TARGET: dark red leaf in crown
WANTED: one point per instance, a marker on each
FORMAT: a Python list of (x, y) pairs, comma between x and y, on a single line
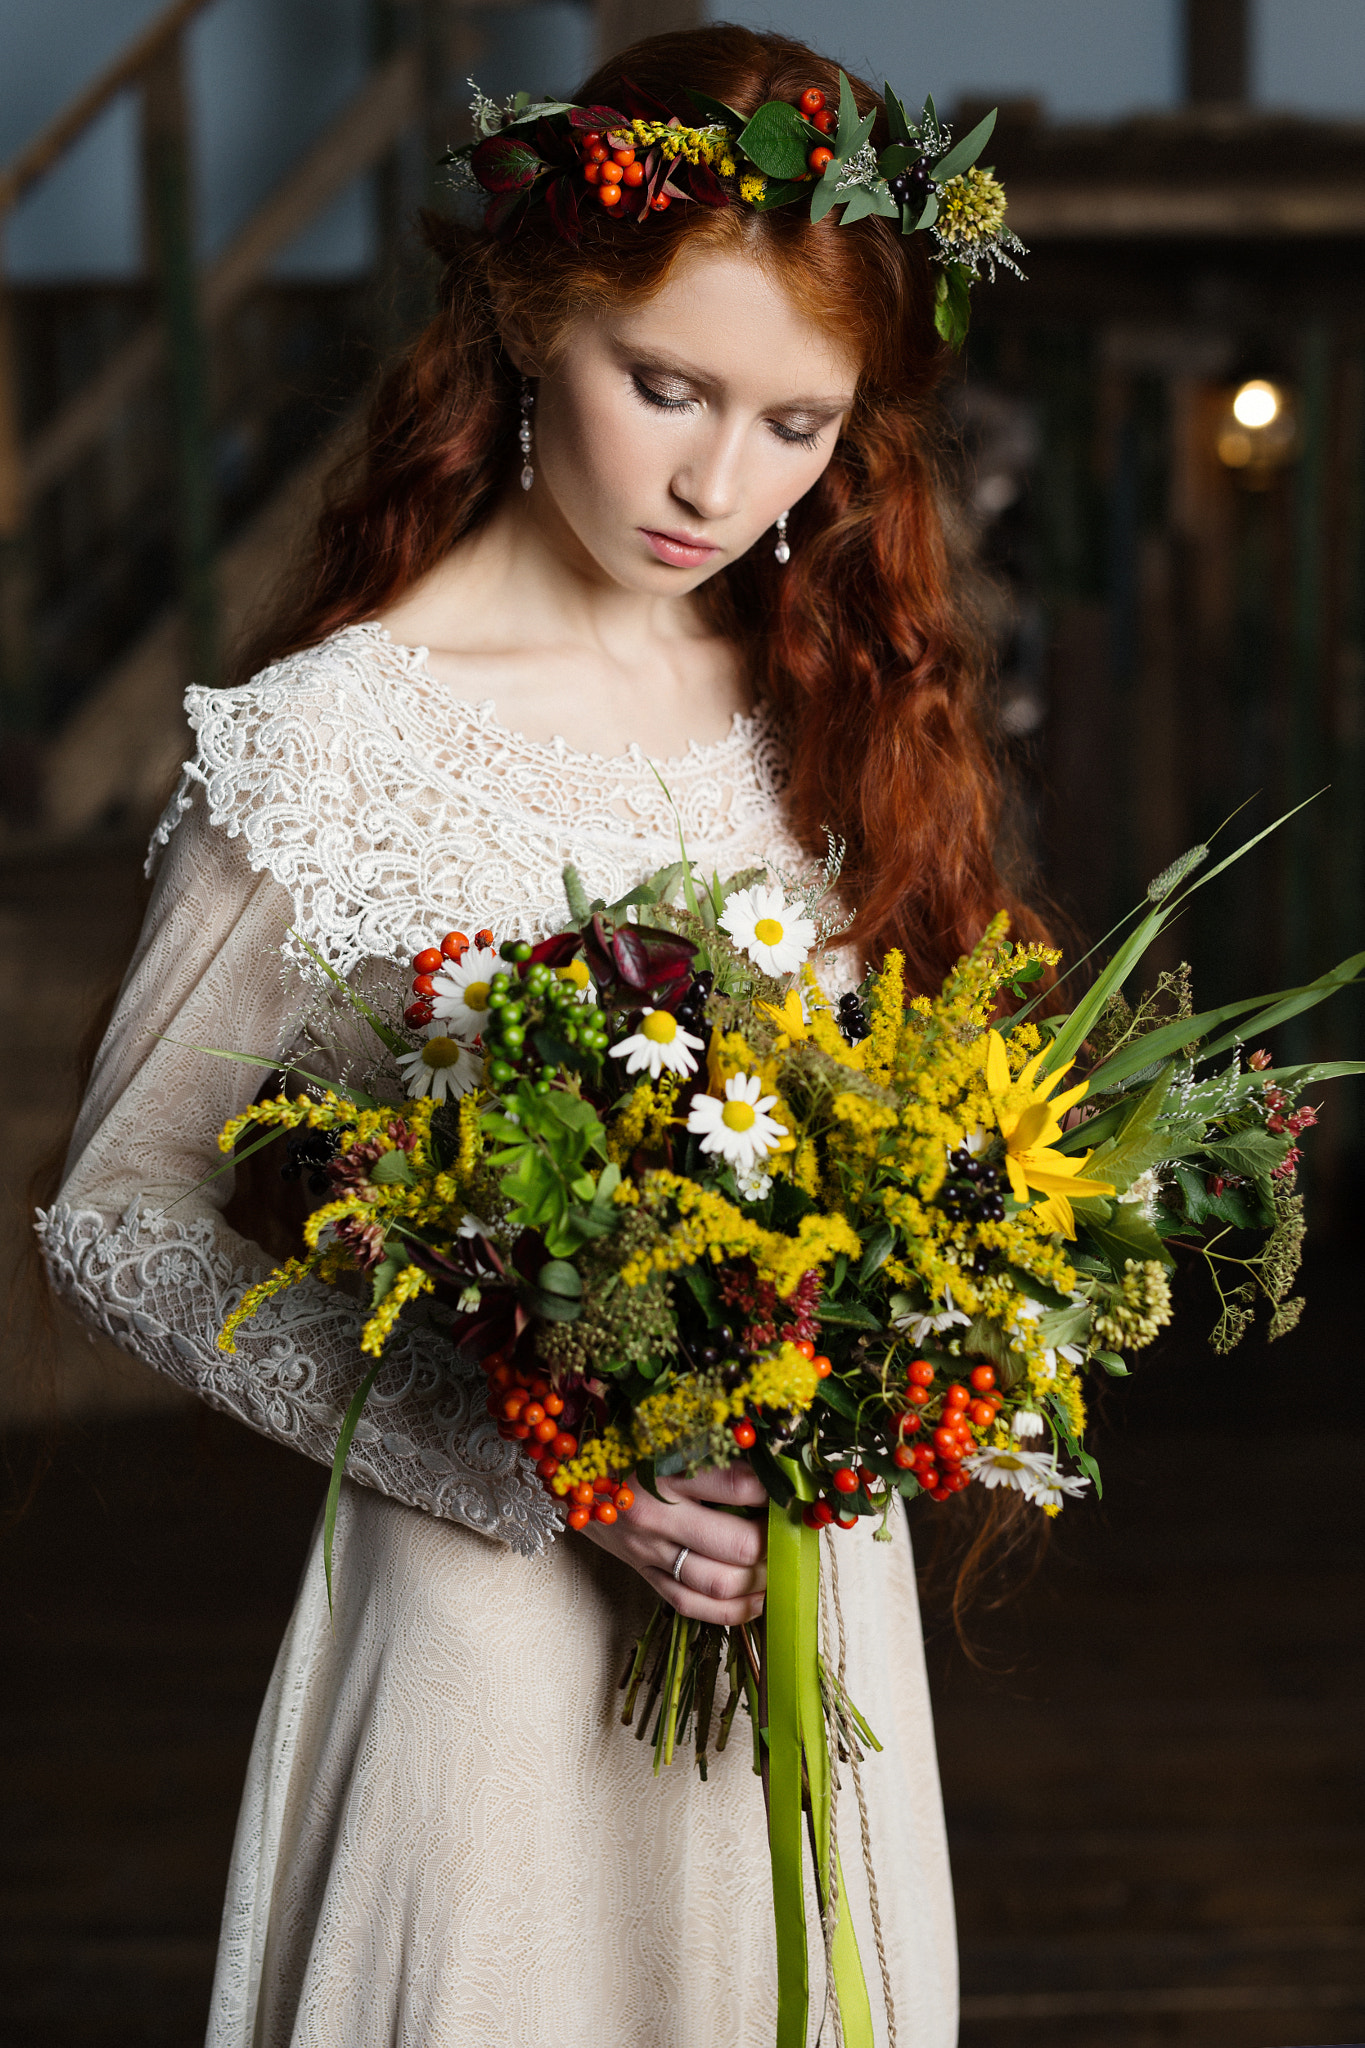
[(506, 212), (642, 106), (594, 120), (505, 163), (702, 183), (562, 201)]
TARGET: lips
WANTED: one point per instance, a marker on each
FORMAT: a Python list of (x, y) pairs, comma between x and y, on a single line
[(680, 550)]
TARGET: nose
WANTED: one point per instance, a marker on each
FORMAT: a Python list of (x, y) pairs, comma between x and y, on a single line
[(707, 482)]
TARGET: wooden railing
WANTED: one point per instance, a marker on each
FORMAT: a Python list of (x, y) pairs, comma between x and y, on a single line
[(190, 304)]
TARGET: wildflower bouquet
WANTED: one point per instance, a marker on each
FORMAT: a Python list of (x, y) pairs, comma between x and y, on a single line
[(683, 1207)]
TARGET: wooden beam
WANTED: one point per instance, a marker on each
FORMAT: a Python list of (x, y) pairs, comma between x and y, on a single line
[(30, 164), (356, 139), (1217, 52), (1242, 211)]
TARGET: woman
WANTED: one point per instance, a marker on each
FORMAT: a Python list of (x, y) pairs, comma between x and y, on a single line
[(562, 565)]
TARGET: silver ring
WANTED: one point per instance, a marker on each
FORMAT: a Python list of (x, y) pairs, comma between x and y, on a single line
[(679, 1562)]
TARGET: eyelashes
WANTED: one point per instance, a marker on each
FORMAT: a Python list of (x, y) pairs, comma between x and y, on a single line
[(792, 438), (662, 403)]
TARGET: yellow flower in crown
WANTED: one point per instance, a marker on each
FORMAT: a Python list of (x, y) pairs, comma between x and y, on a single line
[(1029, 1117)]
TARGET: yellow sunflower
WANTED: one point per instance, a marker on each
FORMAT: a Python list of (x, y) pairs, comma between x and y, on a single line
[(1029, 1117)]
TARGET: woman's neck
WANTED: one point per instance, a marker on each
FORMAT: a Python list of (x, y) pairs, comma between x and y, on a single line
[(521, 614)]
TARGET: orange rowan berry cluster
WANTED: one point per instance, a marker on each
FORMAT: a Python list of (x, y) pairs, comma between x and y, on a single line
[(427, 964), (529, 1411), (601, 1501), (964, 1409), (611, 164)]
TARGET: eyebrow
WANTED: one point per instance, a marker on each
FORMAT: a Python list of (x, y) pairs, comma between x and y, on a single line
[(674, 366)]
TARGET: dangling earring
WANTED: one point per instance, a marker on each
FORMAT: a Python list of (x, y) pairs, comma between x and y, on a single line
[(528, 399), (782, 551)]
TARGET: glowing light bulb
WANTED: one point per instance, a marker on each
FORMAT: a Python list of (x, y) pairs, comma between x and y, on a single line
[(1256, 404)]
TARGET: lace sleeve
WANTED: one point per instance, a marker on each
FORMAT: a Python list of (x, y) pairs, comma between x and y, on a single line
[(157, 1268)]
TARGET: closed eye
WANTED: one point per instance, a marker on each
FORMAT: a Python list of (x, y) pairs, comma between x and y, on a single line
[(792, 437), (660, 399)]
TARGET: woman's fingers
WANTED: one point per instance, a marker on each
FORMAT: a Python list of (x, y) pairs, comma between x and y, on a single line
[(673, 1526), (697, 1607), (736, 1485)]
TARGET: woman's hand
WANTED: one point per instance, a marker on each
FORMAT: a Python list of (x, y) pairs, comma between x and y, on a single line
[(725, 1572)]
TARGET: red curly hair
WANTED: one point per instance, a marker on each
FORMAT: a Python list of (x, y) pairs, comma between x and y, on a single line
[(866, 643)]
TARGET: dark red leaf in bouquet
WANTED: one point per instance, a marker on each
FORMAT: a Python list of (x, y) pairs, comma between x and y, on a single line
[(597, 952), (632, 960), (555, 952), (505, 163)]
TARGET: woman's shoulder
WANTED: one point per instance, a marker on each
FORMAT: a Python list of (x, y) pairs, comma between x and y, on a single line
[(305, 700)]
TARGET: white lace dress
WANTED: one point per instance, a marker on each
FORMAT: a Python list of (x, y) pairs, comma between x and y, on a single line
[(446, 1838)]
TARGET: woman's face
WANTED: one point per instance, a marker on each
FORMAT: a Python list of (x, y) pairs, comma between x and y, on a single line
[(669, 436)]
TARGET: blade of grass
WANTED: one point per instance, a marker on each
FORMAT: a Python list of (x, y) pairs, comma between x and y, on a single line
[(348, 1430), (382, 1031)]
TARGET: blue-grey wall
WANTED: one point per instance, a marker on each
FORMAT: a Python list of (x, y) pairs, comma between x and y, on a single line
[(268, 74)]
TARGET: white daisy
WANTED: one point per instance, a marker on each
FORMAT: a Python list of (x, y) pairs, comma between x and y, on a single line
[(739, 1127), (773, 932), (1027, 1422), (1020, 1469), (440, 1067), (754, 1186), (461, 988), (659, 1043), (917, 1326), (1050, 1488)]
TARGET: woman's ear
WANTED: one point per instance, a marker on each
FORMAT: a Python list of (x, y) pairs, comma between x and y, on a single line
[(519, 351)]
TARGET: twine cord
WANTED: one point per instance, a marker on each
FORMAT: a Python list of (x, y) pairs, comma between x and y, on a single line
[(873, 1901)]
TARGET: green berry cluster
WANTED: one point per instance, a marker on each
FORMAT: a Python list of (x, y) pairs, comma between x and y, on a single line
[(528, 1004)]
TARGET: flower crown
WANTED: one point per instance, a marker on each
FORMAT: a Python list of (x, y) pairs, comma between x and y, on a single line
[(639, 159)]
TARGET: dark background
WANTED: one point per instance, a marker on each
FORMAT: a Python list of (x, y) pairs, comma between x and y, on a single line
[(1151, 1752)]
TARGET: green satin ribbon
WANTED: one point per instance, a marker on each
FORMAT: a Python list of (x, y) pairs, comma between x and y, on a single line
[(796, 1730)]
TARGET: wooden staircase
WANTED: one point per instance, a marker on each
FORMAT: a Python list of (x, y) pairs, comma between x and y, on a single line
[(97, 747)]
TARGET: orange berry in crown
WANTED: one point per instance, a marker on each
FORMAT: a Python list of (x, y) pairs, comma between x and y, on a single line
[(484, 937), (812, 101), (610, 195), (455, 945)]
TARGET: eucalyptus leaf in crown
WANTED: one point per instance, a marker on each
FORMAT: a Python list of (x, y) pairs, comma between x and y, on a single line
[(639, 159)]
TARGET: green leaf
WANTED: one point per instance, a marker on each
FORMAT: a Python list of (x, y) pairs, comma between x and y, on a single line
[(775, 139), (1239, 1207), (835, 1395), (826, 193), (877, 1249), (781, 192), (850, 134), (849, 1315), (580, 910), (952, 305), (776, 1481), (392, 1169), (644, 1472), (255, 1059), (1067, 1325), (1073, 1033), (384, 1275), (348, 1430), (1111, 1362), (557, 1276), (1248, 1153), (862, 202), (964, 154), (1123, 1233), (702, 1286), (1091, 1471), (716, 111), (897, 120)]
